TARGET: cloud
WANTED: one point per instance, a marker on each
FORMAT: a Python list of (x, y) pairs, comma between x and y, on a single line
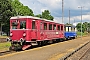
[(52, 4), (42, 10), (58, 20), (55, 7), (85, 18)]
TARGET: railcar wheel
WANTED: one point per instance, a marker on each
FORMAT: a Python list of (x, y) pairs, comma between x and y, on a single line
[(74, 37), (40, 43), (10, 48), (65, 38), (45, 42), (15, 48)]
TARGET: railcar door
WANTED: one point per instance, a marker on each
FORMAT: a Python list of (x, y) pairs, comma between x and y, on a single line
[(41, 31), (34, 29)]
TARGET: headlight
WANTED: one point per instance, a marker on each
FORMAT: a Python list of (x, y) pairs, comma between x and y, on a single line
[(11, 34), (24, 34), (8, 39)]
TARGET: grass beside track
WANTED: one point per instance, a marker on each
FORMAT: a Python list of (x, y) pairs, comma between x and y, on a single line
[(4, 46), (83, 34), (3, 36)]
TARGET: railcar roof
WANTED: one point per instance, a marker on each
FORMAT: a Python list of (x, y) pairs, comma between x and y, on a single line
[(17, 17), (70, 26)]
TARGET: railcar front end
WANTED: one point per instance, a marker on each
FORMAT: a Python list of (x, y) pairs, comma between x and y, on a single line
[(19, 37)]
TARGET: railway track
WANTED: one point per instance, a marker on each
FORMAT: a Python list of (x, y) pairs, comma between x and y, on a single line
[(6, 52), (81, 54), (2, 40), (85, 53)]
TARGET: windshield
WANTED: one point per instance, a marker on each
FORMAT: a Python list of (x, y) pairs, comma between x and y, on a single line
[(14, 25), (22, 24)]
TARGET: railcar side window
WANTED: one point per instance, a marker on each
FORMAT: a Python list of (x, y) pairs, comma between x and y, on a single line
[(41, 27), (50, 26), (66, 29), (73, 29), (61, 28), (45, 26), (22, 24), (70, 29), (14, 27), (58, 27), (54, 27), (33, 24)]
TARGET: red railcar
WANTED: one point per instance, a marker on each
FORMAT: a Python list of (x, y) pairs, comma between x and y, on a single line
[(26, 31)]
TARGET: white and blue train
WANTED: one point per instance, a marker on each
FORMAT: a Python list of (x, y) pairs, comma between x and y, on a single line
[(70, 32)]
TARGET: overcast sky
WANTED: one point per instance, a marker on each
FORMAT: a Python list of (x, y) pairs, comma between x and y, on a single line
[(55, 7)]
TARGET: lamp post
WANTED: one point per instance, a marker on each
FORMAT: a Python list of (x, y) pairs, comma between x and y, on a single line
[(81, 19), (74, 20), (69, 16), (62, 12)]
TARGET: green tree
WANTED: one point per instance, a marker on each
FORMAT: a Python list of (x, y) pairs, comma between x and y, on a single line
[(89, 25), (79, 27), (9, 8), (46, 15), (6, 11), (21, 9), (68, 24), (39, 15), (86, 25)]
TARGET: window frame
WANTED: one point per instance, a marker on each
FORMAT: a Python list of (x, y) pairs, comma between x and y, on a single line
[(45, 26), (33, 24), (50, 26), (58, 27), (54, 27), (62, 28), (20, 24), (14, 26)]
